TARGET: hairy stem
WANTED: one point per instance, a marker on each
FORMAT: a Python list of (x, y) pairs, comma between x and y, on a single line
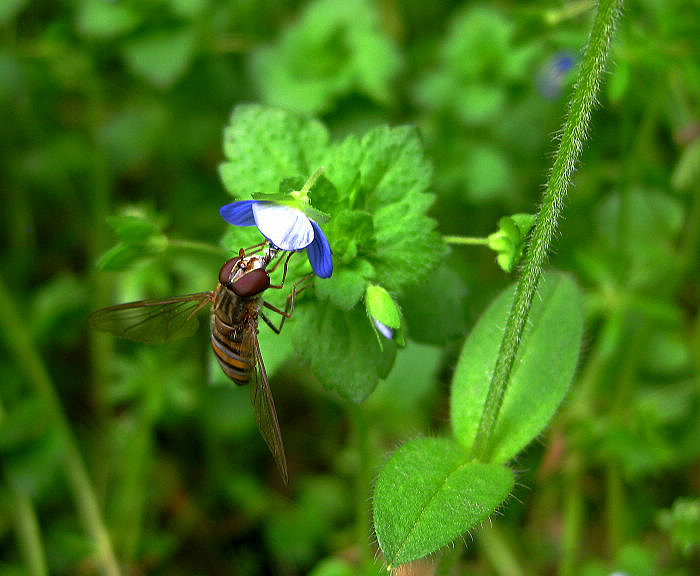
[(24, 351), (570, 147)]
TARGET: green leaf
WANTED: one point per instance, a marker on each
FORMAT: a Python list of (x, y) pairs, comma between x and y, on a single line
[(161, 57), (334, 49), (105, 20), (478, 44), (392, 165), (640, 229), (394, 178), (10, 8), (264, 146), (408, 247), (542, 371), (133, 227), (480, 103), (347, 285), (682, 522), (430, 493), (341, 348), (474, 68), (140, 238)]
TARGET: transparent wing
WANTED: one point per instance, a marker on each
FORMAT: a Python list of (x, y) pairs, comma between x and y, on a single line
[(264, 405), (153, 321)]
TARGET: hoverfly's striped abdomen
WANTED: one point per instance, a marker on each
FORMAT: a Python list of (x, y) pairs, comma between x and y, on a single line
[(232, 318)]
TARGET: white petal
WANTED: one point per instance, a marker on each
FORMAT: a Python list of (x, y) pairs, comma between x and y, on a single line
[(287, 228), (383, 329)]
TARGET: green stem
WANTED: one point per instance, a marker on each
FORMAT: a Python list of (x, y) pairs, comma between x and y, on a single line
[(494, 545), (27, 526), (24, 351), (614, 509), (312, 180), (28, 532), (556, 16), (363, 479), (99, 185), (573, 523), (195, 246), (570, 147), (466, 240)]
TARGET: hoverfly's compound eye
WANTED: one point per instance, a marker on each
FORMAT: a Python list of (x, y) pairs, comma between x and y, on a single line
[(227, 269), (252, 283)]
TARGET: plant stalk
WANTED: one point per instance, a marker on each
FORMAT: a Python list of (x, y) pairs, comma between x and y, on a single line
[(26, 525), (568, 153), (466, 240)]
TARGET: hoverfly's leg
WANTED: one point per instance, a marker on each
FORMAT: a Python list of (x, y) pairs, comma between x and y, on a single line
[(284, 273), (276, 265), (275, 329), (289, 305)]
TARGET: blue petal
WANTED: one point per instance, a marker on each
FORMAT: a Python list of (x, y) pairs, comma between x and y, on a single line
[(239, 213), (319, 253), (286, 227)]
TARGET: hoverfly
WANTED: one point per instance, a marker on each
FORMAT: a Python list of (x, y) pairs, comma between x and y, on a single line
[(236, 305)]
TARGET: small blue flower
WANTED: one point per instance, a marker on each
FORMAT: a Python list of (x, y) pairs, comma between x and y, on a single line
[(286, 228), (552, 74)]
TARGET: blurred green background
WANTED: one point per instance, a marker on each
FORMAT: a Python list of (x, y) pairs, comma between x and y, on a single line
[(113, 107)]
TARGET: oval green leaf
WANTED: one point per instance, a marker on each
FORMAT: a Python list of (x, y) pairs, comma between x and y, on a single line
[(541, 374), (430, 493)]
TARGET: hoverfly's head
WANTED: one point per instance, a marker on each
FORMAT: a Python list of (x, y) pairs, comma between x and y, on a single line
[(245, 276)]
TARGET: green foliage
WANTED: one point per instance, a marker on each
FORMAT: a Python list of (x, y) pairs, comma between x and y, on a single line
[(376, 189), (429, 493), (543, 370), (139, 238), (432, 491), (683, 522), (160, 57), (336, 48), (431, 119)]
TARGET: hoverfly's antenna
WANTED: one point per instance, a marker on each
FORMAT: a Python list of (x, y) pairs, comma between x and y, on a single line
[(251, 249)]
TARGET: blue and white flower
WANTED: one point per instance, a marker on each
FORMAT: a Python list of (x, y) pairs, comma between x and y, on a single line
[(285, 227)]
